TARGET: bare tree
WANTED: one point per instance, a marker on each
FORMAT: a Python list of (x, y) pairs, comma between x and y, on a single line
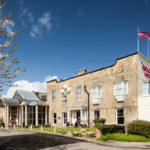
[(7, 60)]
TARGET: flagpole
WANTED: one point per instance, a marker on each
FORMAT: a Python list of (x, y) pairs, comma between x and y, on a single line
[(148, 48), (138, 40)]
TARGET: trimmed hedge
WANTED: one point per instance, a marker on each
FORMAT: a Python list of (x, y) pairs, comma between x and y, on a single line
[(108, 129), (139, 127)]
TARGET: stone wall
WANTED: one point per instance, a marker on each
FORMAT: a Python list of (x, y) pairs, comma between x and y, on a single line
[(124, 69)]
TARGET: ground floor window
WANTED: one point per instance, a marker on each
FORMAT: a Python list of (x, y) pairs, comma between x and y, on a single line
[(31, 115), (41, 115), (65, 118), (120, 116), (54, 118), (96, 114)]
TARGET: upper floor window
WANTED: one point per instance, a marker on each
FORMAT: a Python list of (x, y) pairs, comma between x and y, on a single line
[(54, 95), (121, 88), (96, 94), (43, 98), (146, 88), (78, 93)]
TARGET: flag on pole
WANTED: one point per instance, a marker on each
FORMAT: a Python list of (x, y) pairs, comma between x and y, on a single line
[(143, 34)]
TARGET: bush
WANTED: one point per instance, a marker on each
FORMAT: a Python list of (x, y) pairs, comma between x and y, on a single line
[(123, 137), (99, 122), (90, 134), (47, 125), (76, 134), (36, 126), (106, 129), (139, 127)]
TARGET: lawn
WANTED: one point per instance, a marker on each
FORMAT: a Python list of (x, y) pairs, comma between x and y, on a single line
[(123, 137), (59, 130)]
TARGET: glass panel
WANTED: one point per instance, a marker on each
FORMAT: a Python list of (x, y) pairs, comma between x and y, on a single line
[(120, 112), (65, 118), (99, 91), (96, 114), (120, 120), (78, 93), (118, 85), (120, 116), (54, 95), (55, 118)]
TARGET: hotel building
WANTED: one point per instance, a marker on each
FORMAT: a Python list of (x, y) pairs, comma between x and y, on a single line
[(120, 93)]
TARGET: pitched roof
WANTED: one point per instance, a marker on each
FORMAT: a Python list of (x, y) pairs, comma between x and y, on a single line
[(28, 95), (11, 101)]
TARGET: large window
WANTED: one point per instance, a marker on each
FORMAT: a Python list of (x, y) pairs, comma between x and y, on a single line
[(121, 88), (96, 114), (96, 94), (78, 93), (120, 116), (65, 118), (146, 88), (54, 118), (54, 95)]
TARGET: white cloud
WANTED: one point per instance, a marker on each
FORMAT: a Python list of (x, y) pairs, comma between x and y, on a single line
[(35, 31), (29, 86), (30, 15), (43, 22), (23, 12)]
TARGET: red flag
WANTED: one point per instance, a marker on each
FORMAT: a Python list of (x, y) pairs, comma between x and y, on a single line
[(143, 34)]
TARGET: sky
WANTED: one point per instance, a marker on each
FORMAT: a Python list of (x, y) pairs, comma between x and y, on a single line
[(62, 36)]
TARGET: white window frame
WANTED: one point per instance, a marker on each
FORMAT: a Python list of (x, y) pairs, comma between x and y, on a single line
[(63, 118), (78, 100), (53, 96), (96, 98), (124, 84), (94, 114), (63, 98), (120, 116), (54, 119), (147, 88)]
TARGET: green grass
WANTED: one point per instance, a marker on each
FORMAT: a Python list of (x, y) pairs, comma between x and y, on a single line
[(123, 137), (59, 130)]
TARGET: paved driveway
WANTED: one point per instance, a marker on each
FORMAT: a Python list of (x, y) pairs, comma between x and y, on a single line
[(23, 140)]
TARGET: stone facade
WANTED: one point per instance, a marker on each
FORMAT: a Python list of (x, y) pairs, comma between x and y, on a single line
[(125, 68)]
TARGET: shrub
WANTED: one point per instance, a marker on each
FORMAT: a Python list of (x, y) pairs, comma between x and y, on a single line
[(106, 129), (36, 126), (140, 127), (47, 125), (76, 134), (123, 137), (99, 122), (90, 134)]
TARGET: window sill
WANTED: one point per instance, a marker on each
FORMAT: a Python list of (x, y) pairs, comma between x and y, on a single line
[(96, 101), (120, 98)]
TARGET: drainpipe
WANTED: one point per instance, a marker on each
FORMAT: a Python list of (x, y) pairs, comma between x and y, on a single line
[(88, 105)]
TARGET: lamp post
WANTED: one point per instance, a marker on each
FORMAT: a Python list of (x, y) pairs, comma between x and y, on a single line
[(65, 91)]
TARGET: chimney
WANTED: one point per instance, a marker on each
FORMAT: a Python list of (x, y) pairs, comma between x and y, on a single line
[(81, 71)]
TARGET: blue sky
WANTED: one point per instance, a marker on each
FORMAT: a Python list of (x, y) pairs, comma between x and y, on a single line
[(62, 36)]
